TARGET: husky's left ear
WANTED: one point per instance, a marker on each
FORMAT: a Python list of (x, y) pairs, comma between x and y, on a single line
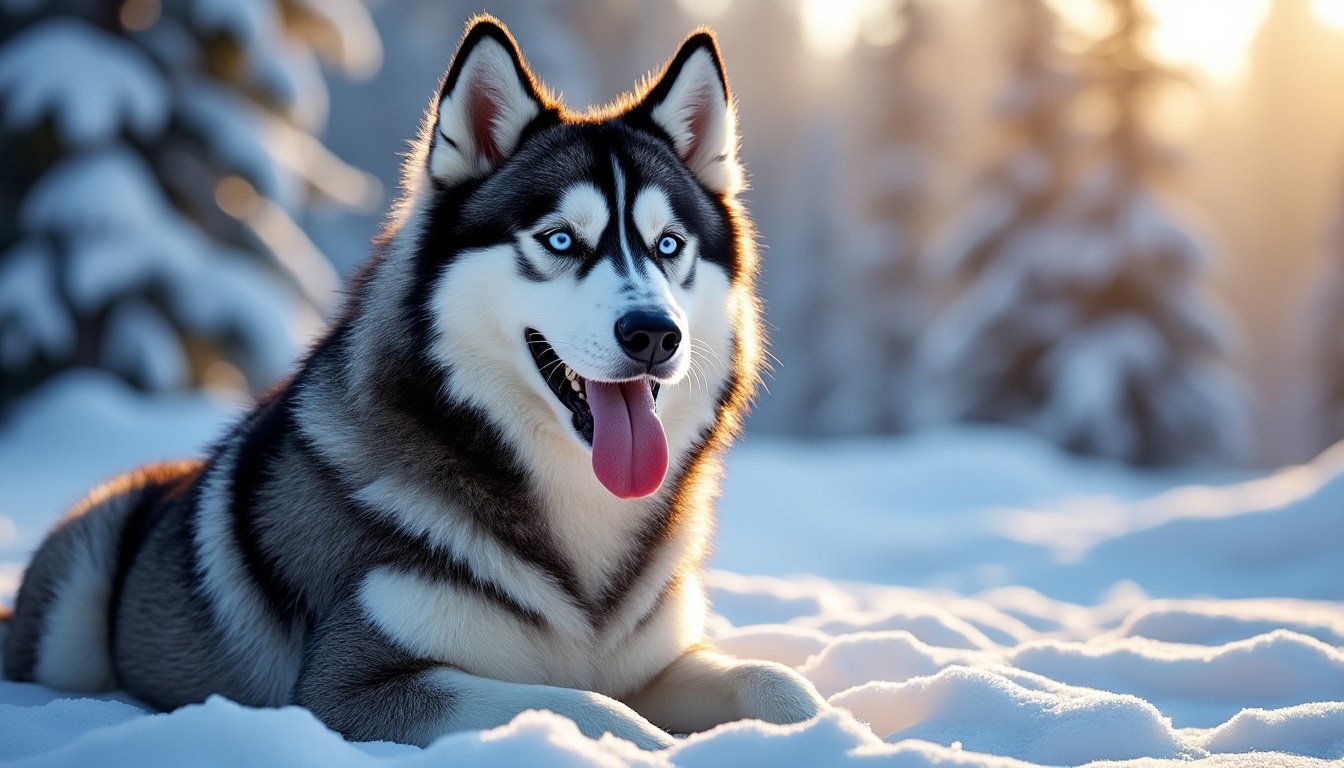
[(692, 106), (487, 99)]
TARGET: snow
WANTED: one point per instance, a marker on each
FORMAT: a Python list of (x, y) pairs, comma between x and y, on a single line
[(1312, 729), (963, 597), (78, 431), (122, 235), (141, 344), (128, 211), (28, 300), (90, 83), (352, 39), (287, 72), (990, 713), (232, 127)]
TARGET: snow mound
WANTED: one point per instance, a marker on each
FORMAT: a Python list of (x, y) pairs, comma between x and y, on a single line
[(35, 729), (1309, 729), (986, 712), (1197, 683), (1209, 623), (854, 659)]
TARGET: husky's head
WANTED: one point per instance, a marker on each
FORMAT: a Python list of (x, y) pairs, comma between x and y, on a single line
[(586, 278)]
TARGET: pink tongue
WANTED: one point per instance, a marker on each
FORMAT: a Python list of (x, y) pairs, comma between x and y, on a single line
[(629, 447)]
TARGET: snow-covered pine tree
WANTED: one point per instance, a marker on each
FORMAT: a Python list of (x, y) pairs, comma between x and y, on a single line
[(156, 155), (1327, 328), (841, 280), (970, 364), (810, 314), (1080, 314)]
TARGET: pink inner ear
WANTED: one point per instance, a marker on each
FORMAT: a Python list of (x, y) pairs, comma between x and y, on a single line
[(698, 123), (482, 107)]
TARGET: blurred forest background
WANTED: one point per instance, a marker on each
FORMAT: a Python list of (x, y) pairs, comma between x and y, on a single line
[(1117, 223)]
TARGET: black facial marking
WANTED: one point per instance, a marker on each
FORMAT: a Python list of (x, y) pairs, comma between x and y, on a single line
[(525, 267), (689, 282), (552, 157)]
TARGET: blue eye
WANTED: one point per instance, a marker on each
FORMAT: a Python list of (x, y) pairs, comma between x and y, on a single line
[(670, 245), (560, 241)]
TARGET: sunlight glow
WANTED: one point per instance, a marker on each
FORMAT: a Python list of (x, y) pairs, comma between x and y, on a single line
[(831, 28), (1329, 12), (1210, 35), (705, 9)]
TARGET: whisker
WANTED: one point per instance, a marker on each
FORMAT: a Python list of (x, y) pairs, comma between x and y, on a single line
[(704, 347), (698, 375), (554, 368)]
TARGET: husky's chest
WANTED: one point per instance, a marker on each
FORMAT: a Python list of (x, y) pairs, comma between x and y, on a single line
[(622, 609)]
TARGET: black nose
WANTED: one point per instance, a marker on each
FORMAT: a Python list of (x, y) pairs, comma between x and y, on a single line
[(649, 337)]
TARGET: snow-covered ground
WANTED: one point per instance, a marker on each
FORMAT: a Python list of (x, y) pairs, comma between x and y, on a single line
[(964, 598)]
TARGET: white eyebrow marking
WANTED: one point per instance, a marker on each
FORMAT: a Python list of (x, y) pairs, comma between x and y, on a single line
[(652, 213), (583, 208)]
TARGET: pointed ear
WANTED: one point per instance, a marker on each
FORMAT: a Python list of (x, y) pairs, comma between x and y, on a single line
[(487, 99), (691, 105)]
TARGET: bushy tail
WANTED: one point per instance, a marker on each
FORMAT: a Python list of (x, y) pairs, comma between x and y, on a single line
[(59, 630)]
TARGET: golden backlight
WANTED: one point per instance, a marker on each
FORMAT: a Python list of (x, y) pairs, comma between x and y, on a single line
[(831, 28), (1210, 36), (1329, 11)]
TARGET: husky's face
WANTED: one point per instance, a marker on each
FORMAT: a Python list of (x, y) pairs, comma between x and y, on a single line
[(588, 264)]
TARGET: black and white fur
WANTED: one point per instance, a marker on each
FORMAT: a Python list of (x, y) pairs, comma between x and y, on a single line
[(407, 536)]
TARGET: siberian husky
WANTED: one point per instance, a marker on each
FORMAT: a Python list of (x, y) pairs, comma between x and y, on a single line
[(489, 488)]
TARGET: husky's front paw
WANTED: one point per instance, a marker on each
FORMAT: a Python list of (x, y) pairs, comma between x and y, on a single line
[(774, 693), (596, 714)]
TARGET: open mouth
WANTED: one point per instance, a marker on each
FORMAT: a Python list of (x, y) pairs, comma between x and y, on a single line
[(618, 420), (568, 386)]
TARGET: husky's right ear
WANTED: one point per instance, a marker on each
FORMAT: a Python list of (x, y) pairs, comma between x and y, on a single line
[(690, 105), (487, 100)]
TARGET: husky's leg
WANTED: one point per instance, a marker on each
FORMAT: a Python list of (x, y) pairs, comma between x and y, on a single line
[(360, 684), (703, 688)]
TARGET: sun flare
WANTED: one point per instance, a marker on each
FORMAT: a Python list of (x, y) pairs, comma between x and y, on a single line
[(1208, 36), (1329, 12), (1212, 36), (831, 28)]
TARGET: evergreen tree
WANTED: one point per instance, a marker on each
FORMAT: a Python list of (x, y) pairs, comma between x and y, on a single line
[(848, 307), (880, 308), (1328, 330), (1078, 312), (817, 345), (156, 155)]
